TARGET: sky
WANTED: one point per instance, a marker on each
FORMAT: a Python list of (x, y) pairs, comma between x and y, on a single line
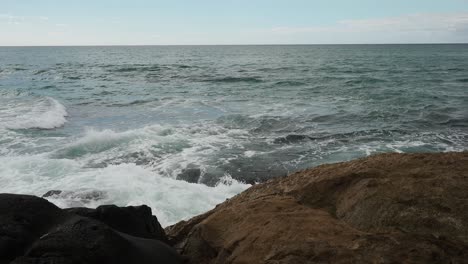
[(223, 22)]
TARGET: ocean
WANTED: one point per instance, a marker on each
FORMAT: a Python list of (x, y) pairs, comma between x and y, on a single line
[(182, 128)]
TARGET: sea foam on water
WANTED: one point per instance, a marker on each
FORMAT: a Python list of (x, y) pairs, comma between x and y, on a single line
[(184, 128)]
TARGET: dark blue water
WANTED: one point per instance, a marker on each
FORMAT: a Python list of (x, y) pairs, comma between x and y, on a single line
[(137, 124)]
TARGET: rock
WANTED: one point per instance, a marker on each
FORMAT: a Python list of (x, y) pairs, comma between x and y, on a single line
[(32, 230), (191, 175), (388, 208), (83, 195), (78, 198), (23, 219), (51, 193), (84, 240), (291, 139), (133, 220)]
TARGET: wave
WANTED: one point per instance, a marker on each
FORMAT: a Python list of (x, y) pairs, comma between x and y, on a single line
[(289, 83), (166, 149), (234, 80), (47, 87), (124, 184), (73, 77), (290, 139), (455, 69), (39, 113), (146, 67), (39, 72), (133, 103), (96, 142), (135, 69), (256, 124), (278, 69), (365, 80)]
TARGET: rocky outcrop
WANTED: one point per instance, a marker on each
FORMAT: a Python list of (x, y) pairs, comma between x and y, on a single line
[(133, 220), (32, 230), (389, 208)]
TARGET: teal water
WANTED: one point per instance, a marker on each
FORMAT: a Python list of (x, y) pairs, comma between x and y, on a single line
[(183, 128)]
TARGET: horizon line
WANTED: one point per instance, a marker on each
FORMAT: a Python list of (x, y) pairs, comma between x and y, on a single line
[(189, 45)]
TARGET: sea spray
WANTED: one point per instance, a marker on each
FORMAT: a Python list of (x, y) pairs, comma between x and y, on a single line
[(135, 123)]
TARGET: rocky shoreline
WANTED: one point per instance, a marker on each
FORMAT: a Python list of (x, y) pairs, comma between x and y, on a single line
[(387, 208)]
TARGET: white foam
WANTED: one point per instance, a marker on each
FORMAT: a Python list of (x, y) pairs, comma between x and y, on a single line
[(42, 113), (250, 153), (124, 184), (170, 149)]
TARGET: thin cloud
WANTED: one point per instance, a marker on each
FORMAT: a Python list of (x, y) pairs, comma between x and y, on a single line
[(11, 20), (416, 22), (17, 20)]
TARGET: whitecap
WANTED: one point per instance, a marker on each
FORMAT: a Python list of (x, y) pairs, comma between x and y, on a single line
[(250, 153), (124, 185), (40, 113)]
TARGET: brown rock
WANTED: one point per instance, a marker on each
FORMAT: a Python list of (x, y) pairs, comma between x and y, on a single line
[(389, 208)]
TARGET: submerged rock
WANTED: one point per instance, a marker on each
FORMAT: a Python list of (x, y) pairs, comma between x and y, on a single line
[(389, 208), (32, 230), (291, 139), (191, 175)]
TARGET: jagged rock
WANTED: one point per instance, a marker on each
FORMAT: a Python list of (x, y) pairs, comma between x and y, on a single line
[(32, 230), (389, 208), (51, 193), (133, 220)]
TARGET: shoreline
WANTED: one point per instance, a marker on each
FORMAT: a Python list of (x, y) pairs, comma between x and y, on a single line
[(383, 208)]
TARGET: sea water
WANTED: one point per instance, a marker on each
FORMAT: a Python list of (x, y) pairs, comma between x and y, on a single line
[(182, 128)]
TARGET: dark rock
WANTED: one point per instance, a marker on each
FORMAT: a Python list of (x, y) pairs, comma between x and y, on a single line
[(51, 193), (82, 195), (32, 230), (291, 139), (191, 175), (84, 240), (23, 219), (133, 220)]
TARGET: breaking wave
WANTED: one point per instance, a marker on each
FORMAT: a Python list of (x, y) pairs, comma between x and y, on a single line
[(27, 113)]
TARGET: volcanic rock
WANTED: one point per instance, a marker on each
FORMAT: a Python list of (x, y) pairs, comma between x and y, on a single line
[(33, 230)]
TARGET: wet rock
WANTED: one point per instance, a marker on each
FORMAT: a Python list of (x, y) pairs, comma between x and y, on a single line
[(51, 193), (78, 197), (84, 240), (389, 208), (133, 220), (33, 230), (291, 139), (191, 175), (23, 219)]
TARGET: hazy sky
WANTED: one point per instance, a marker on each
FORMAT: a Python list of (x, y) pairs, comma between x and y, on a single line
[(138, 22)]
